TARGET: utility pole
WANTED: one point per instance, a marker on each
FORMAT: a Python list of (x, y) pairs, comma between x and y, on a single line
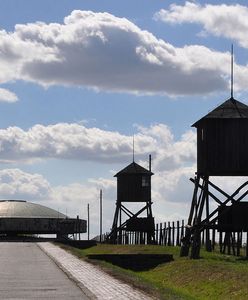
[(100, 216), (78, 227), (88, 209)]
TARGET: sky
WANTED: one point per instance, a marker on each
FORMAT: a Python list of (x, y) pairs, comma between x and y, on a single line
[(80, 79)]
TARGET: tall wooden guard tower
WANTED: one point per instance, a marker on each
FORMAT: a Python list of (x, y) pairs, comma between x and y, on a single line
[(222, 150), (133, 185)]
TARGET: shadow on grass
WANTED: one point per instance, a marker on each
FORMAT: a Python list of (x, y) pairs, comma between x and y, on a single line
[(78, 244), (242, 258), (134, 262)]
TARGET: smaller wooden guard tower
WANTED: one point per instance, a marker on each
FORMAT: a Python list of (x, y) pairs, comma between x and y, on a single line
[(133, 185), (222, 150)]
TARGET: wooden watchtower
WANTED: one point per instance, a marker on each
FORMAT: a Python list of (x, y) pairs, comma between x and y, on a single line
[(133, 186), (222, 150)]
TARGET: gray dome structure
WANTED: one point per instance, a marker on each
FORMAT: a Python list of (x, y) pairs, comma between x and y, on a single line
[(22, 217), (24, 209)]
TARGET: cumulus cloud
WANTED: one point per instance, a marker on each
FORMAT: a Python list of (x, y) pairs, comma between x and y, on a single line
[(68, 141), (104, 52), (16, 184), (7, 96), (171, 153), (229, 21), (74, 141)]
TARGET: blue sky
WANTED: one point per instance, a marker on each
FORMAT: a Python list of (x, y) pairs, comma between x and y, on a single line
[(80, 78)]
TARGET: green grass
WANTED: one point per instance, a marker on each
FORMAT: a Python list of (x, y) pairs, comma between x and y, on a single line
[(214, 276)]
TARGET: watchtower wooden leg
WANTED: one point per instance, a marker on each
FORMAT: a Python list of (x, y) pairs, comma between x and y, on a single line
[(246, 245), (186, 240), (196, 244), (208, 245)]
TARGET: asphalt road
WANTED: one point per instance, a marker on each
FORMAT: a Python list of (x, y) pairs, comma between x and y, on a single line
[(26, 272)]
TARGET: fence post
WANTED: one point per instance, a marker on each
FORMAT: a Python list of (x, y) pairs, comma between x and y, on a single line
[(142, 238), (157, 234), (178, 234), (246, 254), (182, 231), (213, 238), (239, 242), (228, 236), (173, 233), (233, 241), (220, 242), (160, 234), (164, 234), (169, 234), (127, 238), (203, 237)]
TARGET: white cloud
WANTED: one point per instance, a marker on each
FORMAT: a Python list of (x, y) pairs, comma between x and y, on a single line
[(16, 184), (7, 96), (229, 21), (74, 141), (104, 52), (170, 153), (69, 141)]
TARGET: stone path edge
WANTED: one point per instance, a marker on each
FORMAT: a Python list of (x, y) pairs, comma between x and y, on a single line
[(83, 288)]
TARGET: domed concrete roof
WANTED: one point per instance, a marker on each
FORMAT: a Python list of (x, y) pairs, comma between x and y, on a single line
[(24, 209)]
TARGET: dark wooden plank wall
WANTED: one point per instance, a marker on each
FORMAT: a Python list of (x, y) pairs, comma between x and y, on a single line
[(130, 189), (222, 147)]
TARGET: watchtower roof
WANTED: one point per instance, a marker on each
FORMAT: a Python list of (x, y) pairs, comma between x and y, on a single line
[(230, 109), (133, 168)]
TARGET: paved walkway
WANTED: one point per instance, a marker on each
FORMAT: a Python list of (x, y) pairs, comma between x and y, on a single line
[(26, 272), (96, 283)]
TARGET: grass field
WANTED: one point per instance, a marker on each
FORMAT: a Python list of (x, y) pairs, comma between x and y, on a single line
[(214, 276)]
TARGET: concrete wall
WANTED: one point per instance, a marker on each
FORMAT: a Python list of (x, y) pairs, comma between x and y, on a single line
[(42, 225)]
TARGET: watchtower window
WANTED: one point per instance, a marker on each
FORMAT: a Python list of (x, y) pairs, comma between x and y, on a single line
[(145, 181), (202, 134)]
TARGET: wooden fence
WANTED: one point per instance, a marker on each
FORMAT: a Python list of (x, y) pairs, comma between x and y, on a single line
[(167, 234), (171, 233)]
